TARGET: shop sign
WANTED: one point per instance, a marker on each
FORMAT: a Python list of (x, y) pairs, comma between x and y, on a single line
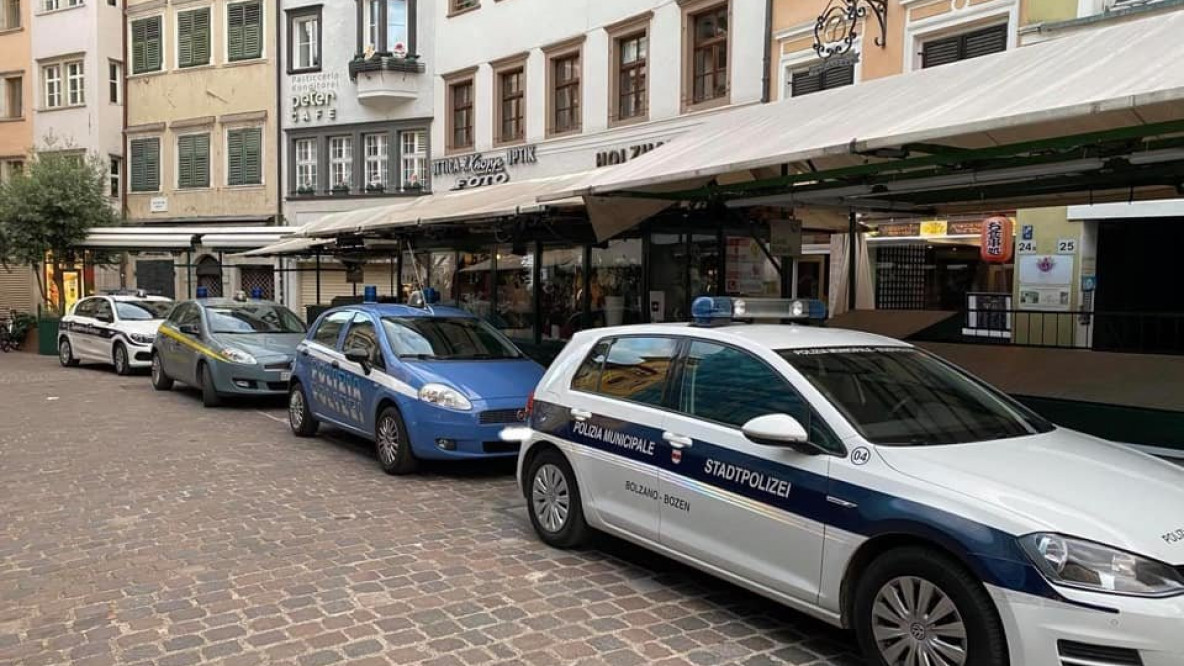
[(158, 205), (997, 240), (932, 228), (479, 170), (623, 155), (785, 238), (898, 230), (314, 97), (974, 228)]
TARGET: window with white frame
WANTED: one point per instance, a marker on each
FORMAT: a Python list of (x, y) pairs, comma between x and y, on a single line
[(306, 41), (414, 158), (52, 76), (375, 146), (306, 165), (76, 83), (10, 14), (817, 79), (973, 44), (115, 82), (384, 26), (341, 162), (52, 5), (115, 171)]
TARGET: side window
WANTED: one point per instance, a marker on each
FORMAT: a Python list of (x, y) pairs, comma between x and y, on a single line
[(103, 310), (178, 312), (190, 317), (330, 329), (636, 369), (363, 335), (730, 386), (85, 308), (587, 377)]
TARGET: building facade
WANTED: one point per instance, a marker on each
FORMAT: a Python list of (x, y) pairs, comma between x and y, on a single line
[(17, 286), (356, 106), (202, 135)]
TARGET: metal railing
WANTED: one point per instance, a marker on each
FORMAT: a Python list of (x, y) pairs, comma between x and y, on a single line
[(1128, 332)]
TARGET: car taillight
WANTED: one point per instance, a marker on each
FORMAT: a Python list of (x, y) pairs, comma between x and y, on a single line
[(529, 405)]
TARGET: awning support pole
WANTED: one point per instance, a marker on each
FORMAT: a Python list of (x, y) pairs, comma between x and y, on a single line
[(188, 274), (318, 277), (852, 238)]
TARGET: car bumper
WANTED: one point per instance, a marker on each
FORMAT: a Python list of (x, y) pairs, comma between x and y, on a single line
[(443, 434), (270, 378), (1044, 631)]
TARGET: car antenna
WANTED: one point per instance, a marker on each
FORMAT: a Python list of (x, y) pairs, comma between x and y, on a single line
[(418, 278)]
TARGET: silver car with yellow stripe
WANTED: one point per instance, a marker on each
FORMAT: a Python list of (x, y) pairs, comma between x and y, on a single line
[(227, 347)]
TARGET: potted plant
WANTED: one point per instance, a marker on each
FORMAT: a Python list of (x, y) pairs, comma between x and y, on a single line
[(340, 189), (376, 188), (306, 189)]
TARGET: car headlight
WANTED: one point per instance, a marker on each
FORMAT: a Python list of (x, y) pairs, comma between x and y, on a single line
[(238, 356), (443, 396), (142, 338), (1092, 566)]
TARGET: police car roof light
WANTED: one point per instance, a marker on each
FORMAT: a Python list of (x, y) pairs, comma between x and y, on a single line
[(711, 311), (715, 311), (423, 298)]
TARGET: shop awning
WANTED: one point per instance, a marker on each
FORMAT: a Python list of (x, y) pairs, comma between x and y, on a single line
[(150, 237), (289, 246), (1121, 76), (240, 241), (134, 241), (492, 201)]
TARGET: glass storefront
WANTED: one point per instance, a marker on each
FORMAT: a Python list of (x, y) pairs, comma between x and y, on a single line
[(514, 294), (920, 276), (561, 275), (614, 284), (474, 283)]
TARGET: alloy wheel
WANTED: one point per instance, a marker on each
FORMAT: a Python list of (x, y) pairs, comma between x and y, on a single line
[(388, 440), (551, 499), (64, 352), (120, 360), (916, 624), (296, 409), (156, 368)]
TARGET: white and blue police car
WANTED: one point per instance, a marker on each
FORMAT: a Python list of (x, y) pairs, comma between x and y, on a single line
[(862, 481), (421, 381), (116, 327)]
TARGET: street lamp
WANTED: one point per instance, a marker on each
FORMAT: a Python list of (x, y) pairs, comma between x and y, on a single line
[(834, 33)]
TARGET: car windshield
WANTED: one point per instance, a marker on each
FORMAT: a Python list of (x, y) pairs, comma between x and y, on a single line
[(142, 310), (447, 338), (900, 396), (253, 318)]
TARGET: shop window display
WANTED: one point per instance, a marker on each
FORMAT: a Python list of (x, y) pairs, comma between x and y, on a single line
[(474, 283), (443, 272), (615, 284), (515, 297), (561, 300)]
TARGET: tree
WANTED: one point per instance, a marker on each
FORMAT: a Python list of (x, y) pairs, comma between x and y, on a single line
[(46, 210)]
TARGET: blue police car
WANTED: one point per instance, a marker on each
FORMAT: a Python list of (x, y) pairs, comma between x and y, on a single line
[(421, 381)]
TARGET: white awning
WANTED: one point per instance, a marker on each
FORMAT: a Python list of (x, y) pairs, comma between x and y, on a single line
[(1116, 76), (289, 246), (510, 198), (150, 237), (239, 241), (137, 241)]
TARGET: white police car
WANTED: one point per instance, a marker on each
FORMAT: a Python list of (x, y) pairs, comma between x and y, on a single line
[(864, 482), (116, 328)]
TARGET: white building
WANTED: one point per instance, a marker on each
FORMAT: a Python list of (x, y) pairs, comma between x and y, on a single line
[(356, 108), (78, 95)]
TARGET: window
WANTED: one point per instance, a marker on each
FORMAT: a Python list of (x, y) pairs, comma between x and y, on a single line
[(364, 336), (244, 156), (114, 82), (463, 5), (414, 157), (632, 52), (461, 96), (306, 165), (513, 106), (304, 42), (10, 16), (341, 162), (244, 31), (587, 377), (375, 146), (14, 105), (10, 169), (193, 37), (730, 386), (565, 100), (806, 82), (965, 46), (187, 314), (253, 318), (146, 45), (330, 329), (103, 311), (145, 158), (115, 174), (76, 83), (453, 338), (193, 160), (709, 54), (636, 369), (52, 75), (85, 307), (51, 5)]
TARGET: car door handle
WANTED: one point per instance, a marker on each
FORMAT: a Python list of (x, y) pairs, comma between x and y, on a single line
[(677, 441), (581, 414)]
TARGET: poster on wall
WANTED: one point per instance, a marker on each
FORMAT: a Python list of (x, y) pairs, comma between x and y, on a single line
[(746, 265), (1046, 282), (785, 238)]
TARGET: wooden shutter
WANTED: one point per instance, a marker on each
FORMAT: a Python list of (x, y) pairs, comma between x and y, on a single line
[(963, 47), (193, 160), (244, 152), (201, 160), (152, 46), (804, 83), (941, 51), (145, 165), (234, 31), (201, 37), (185, 39), (193, 38), (234, 157), (185, 161), (244, 30), (139, 46)]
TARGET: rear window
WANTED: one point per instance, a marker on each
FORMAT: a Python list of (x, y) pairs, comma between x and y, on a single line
[(634, 369), (587, 377)]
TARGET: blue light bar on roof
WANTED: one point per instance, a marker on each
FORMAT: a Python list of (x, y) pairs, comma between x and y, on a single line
[(719, 310)]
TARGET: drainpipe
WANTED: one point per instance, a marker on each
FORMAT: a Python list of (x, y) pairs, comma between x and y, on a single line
[(852, 243), (766, 76), (279, 103)]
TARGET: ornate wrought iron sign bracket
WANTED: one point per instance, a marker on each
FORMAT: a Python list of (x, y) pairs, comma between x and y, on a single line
[(835, 31)]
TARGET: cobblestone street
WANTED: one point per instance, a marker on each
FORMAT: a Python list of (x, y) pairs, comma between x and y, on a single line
[(139, 527)]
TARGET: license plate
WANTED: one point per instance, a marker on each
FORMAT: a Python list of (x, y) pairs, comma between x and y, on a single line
[(285, 376)]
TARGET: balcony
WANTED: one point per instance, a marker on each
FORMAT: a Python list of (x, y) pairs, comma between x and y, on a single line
[(386, 79)]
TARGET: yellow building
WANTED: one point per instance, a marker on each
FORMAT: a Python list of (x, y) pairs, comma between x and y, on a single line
[(17, 286), (201, 127)]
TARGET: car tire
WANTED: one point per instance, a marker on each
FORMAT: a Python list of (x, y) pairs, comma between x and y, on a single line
[(66, 354), (160, 379), (120, 360), (209, 394), (915, 580), (553, 501), (391, 444), (300, 417)]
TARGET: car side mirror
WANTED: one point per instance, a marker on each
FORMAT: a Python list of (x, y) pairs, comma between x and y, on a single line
[(360, 356), (780, 430), (189, 329)]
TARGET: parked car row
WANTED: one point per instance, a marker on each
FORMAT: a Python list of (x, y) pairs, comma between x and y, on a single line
[(852, 477)]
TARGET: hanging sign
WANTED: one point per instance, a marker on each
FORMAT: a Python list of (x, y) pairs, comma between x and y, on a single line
[(931, 228), (997, 240)]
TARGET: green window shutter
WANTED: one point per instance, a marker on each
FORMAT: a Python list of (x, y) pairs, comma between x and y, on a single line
[(145, 168), (138, 172), (244, 157), (201, 160), (244, 30), (139, 46), (152, 46), (201, 36), (153, 164), (234, 156), (193, 160), (185, 39), (234, 31)]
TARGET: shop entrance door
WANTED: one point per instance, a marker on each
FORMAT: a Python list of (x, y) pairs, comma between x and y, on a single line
[(682, 268), (1140, 308), (810, 277)]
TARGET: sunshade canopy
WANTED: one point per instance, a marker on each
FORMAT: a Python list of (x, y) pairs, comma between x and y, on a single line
[(1055, 110), (181, 238)]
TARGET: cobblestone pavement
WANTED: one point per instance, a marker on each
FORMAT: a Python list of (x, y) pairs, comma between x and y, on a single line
[(138, 527)]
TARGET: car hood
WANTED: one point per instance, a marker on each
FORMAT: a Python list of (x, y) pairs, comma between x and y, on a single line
[(482, 380), (148, 327), (261, 345), (1063, 482)]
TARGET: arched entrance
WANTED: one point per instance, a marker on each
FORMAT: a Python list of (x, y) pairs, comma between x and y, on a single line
[(209, 275)]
